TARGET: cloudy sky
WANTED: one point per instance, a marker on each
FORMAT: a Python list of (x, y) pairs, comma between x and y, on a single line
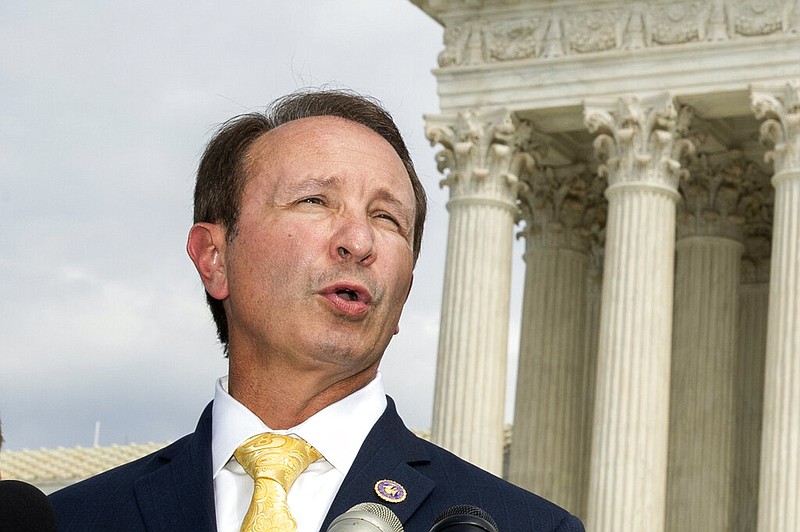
[(105, 108)]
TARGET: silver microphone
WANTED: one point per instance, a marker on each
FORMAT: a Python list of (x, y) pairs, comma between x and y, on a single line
[(367, 517)]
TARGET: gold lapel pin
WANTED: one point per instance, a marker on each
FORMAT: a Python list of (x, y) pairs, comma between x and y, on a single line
[(390, 491)]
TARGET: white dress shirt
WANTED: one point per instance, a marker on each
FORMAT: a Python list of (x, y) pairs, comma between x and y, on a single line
[(337, 431)]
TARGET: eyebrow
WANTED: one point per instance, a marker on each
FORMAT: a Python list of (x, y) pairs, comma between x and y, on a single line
[(314, 183)]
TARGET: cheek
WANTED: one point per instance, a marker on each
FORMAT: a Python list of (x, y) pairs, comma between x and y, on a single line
[(401, 259), (301, 240), (294, 253), (399, 273)]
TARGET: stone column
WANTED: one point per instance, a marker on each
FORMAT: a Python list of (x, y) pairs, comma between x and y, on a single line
[(481, 154), (749, 391), (550, 441), (702, 413), (639, 145), (779, 486), (752, 342), (591, 336)]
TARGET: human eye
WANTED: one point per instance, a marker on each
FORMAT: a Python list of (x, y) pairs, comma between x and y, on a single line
[(392, 222), (313, 200), (388, 217)]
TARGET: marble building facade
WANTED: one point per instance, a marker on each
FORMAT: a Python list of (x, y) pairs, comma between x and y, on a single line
[(649, 154)]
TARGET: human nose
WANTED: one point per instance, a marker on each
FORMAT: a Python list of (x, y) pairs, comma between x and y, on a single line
[(354, 241)]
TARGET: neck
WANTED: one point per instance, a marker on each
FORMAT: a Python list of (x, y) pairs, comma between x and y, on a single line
[(283, 399)]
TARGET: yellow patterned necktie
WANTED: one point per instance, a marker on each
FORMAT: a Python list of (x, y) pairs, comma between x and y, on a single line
[(274, 462)]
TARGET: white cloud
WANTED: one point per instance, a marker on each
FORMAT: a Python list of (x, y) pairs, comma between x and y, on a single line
[(106, 108)]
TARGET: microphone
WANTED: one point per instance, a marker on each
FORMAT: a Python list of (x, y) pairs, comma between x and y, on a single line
[(24, 508), (464, 518), (367, 517)]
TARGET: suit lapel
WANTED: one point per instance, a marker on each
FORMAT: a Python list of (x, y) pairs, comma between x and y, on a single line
[(388, 453), (179, 495)]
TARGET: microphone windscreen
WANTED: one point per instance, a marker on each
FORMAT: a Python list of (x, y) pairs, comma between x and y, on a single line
[(25, 508), (464, 518), (367, 516)]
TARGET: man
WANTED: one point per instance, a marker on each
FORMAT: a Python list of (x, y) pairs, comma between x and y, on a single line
[(308, 223)]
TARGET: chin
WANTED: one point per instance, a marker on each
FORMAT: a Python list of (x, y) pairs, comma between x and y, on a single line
[(339, 354)]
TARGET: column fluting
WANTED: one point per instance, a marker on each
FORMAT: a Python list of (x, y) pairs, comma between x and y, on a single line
[(779, 484), (640, 147), (480, 152)]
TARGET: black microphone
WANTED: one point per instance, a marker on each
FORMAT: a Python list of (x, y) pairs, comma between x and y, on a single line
[(464, 518), (367, 517), (24, 508)]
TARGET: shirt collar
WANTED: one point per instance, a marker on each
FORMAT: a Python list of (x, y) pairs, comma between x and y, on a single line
[(337, 431)]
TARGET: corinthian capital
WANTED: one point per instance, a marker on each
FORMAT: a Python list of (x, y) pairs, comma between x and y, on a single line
[(563, 207), (640, 140), (780, 105), (482, 155), (723, 196)]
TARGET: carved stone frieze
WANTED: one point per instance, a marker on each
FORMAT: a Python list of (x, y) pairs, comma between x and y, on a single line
[(456, 37), (641, 140), (594, 31), (717, 25), (529, 30), (554, 39), (513, 39), (678, 23), (481, 156), (759, 17)]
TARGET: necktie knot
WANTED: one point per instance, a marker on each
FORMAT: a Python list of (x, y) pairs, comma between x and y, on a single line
[(277, 457), (274, 462)]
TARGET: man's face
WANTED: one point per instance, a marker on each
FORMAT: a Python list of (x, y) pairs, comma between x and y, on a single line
[(321, 264)]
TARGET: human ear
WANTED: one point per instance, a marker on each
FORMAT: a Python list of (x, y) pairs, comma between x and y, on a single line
[(206, 248)]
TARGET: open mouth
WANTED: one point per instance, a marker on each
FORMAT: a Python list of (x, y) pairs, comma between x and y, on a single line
[(346, 293), (349, 299)]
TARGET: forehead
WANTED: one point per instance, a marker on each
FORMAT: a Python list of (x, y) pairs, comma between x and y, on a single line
[(325, 144)]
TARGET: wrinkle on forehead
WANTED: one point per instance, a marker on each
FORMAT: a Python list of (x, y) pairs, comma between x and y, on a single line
[(330, 135)]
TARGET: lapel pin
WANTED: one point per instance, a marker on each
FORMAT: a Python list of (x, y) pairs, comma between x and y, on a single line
[(390, 491)]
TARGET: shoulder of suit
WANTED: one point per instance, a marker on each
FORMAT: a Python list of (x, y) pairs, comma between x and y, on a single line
[(121, 478), (466, 476)]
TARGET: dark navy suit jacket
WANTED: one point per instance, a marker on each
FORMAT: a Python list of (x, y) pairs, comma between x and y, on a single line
[(172, 489)]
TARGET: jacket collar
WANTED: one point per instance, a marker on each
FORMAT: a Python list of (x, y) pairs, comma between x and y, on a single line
[(389, 453), (179, 495)]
